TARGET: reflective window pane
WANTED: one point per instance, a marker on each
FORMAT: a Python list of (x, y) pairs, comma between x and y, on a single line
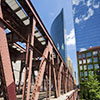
[(95, 53), (90, 66), (80, 56), (95, 59), (96, 66), (84, 61), (82, 79), (80, 61), (91, 72), (89, 60), (85, 67), (86, 78), (81, 73), (81, 68), (85, 73), (83, 55), (89, 54)]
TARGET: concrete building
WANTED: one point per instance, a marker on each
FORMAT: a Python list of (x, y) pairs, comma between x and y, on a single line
[(70, 67), (89, 61)]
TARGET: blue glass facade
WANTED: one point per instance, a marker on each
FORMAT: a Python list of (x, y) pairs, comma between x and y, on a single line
[(57, 33), (86, 15)]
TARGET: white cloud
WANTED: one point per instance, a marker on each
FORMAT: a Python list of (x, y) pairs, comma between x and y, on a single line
[(70, 39), (73, 11), (77, 2), (77, 20), (90, 13), (96, 5), (89, 3), (82, 49)]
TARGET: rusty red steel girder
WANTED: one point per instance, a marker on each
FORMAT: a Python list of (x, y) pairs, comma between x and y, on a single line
[(34, 52)]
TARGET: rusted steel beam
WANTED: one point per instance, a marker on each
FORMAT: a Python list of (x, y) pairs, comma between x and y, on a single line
[(10, 15), (59, 78), (20, 75), (31, 8), (65, 82), (30, 59), (6, 64), (39, 22), (66, 71), (49, 80), (26, 65), (19, 34), (20, 47), (36, 88), (50, 65), (55, 80)]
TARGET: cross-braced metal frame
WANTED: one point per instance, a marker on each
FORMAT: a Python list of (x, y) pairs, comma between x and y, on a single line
[(21, 21)]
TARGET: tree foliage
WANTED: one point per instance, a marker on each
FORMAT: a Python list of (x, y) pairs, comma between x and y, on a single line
[(93, 87)]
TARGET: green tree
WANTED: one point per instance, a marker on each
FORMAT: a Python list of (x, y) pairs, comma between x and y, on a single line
[(93, 87)]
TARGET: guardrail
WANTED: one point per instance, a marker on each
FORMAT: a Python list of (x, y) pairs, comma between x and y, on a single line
[(73, 96)]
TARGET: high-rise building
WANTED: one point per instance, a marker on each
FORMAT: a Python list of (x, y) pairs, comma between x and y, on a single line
[(70, 67), (86, 15), (89, 61), (69, 64), (57, 33)]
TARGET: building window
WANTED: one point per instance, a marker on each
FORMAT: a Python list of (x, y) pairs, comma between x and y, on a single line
[(80, 56), (84, 61), (80, 61), (90, 66), (89, 54), (81, 68), (85, 67), (86, 78), (83, 55), (91, 72), (89, 60), (96, 66), (81, 73), (82, 79), (98, 72), (95, 59), (85, 73), (95, 53)]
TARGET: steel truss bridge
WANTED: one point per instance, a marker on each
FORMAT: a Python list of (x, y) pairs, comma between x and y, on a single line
[(20, 24)]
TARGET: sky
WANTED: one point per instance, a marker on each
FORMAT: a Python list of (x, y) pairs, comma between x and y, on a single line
[(48, 10), (87, 22)]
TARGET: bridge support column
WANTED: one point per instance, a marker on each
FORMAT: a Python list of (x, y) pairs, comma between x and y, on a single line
[(26, 65), (10, 93), (59, 79), (30, 59), (36, 88)]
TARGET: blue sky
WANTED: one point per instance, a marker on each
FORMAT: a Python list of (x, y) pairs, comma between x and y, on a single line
[(48, 10)]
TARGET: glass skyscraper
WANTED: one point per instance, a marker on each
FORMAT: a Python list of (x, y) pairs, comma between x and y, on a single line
[(57, 33), (86, 15)]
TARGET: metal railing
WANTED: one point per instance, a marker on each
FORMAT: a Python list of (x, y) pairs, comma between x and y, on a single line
[(73, 96)]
